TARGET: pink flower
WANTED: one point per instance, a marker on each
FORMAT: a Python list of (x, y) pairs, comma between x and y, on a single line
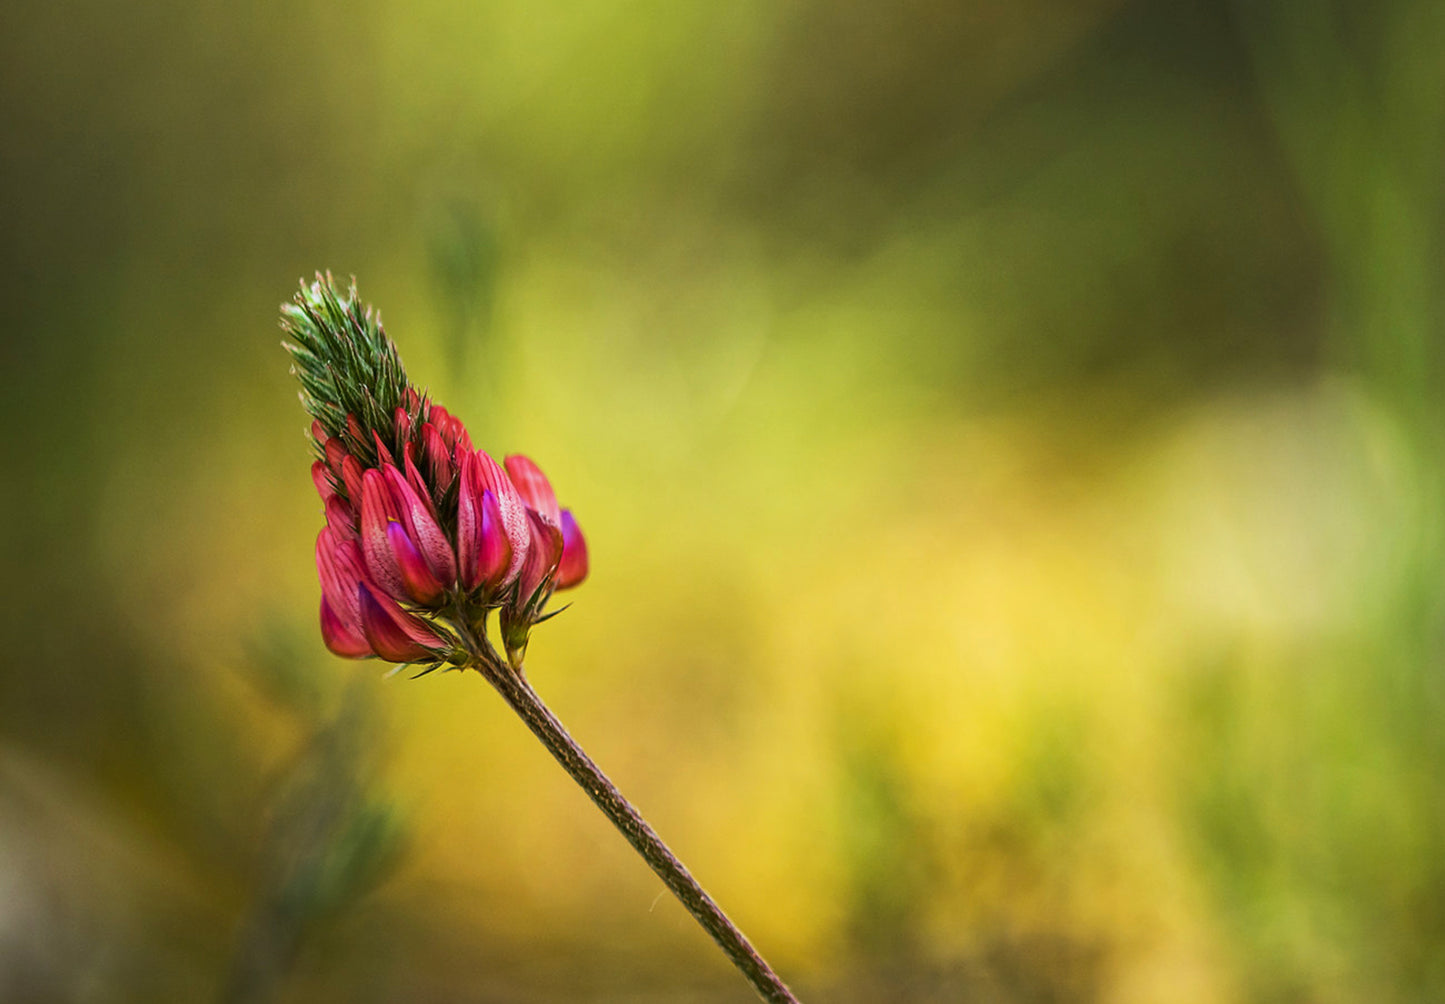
[(445, 532)]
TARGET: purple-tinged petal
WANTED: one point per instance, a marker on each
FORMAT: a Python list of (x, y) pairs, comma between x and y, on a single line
[(543, 553), (421, 586), (484, 552), (534, 487), (572, 569), (469, 523), (513, 510), (419, 519), (495, 557), (339, 567), (394, 634), (342, 638)]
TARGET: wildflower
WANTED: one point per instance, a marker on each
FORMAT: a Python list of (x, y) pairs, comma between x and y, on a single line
[(424, 534)]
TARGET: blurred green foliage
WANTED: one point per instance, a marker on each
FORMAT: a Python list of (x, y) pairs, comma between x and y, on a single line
[(1008, 436)]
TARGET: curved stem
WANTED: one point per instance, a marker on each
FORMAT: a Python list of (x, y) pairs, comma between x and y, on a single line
[(522, 699)]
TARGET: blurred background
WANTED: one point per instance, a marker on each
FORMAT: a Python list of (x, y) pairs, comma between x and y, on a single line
[(1010, 438)]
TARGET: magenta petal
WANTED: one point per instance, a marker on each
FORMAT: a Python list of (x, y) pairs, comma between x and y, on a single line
[(377, 511), (335, 455), (394, 634), (417, 516), (340, 637), (493, 478), (421, 585), (437, 456), (572, 569), (495, 557), (339, 567), (469, 524), (321, 476), (534, 487), (413, 475), (543, 553), (351, 474)]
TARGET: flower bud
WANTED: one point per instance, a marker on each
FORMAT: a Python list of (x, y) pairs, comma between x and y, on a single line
[(351, 478), (401, 424), (321, 477), (437, 458), (484, 553), (490, 477)]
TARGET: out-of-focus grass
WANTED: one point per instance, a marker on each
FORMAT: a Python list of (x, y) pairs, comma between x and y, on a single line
[(1007, 442)]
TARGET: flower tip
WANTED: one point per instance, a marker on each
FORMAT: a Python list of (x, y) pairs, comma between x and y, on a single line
[(572, 568)]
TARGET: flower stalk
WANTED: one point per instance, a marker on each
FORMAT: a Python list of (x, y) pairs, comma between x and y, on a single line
[(426, 536)]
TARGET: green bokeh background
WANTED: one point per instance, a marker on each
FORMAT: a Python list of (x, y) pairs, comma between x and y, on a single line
[(1009, 437)]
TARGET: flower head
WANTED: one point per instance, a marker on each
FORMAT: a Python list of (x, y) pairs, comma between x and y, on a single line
[(424, 534)]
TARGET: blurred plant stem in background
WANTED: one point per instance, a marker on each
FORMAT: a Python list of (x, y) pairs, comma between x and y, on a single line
[(327, 840)]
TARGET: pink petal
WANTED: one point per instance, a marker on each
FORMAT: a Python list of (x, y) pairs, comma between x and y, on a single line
[(351, 477), (542, 556), (394, 634), (438, 457), (401, 423), (339, 567), (340, 637), (513, 510), (421, 586), (417, 515), (483, 551), (534, 487), (377, 510), (335, 454), (495, 559), (321, 477), (469, 524), (572, 569), (341, 518)]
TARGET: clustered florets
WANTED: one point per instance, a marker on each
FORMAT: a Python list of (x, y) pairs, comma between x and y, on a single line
[(424, 533)]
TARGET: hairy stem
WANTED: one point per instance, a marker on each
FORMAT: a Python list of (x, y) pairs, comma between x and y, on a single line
[(516, 691)]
